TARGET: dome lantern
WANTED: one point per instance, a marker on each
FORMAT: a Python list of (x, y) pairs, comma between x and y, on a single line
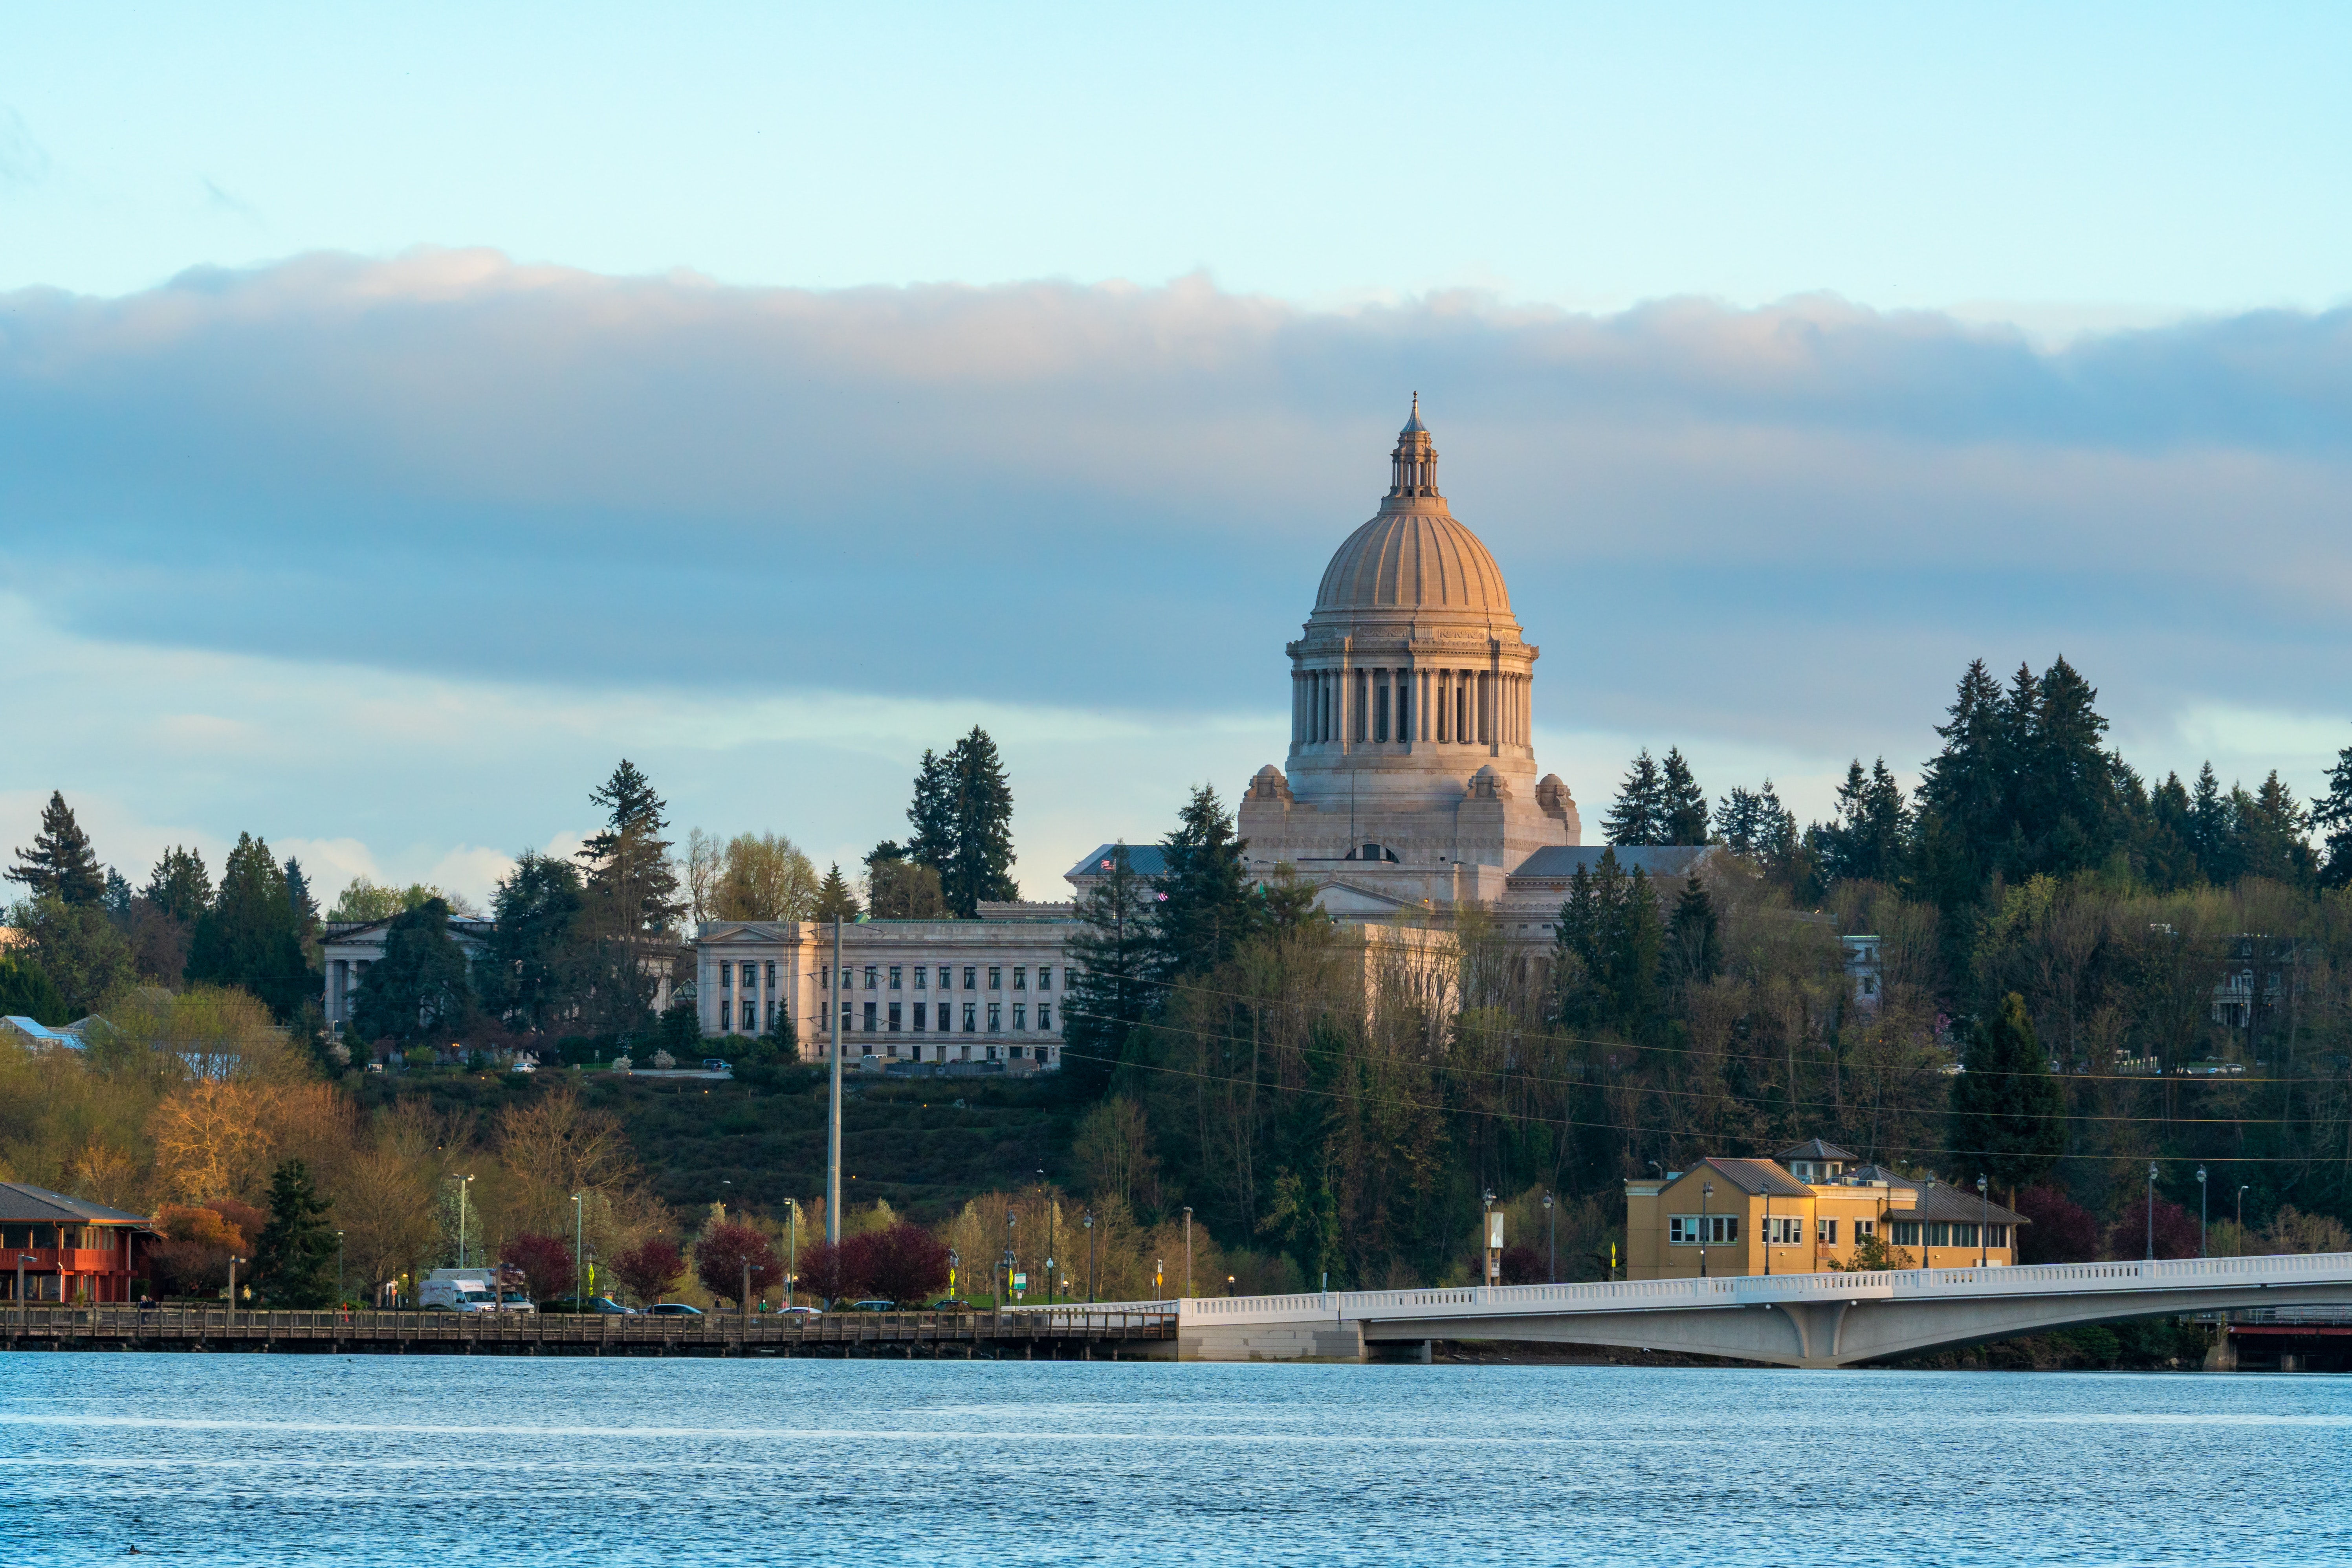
[(1413, 466)]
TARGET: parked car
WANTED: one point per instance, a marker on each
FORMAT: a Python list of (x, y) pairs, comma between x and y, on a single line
[(672, 1310), (949, 1304), (713, 1064), (516, 1302), (597, 1305), (873, 1305), (799, 1312)]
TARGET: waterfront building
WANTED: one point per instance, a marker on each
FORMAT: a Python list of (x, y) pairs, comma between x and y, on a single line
[(1804, 1211), (78, 1250)]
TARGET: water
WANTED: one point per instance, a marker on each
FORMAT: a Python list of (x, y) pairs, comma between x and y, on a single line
[(235, 1460)]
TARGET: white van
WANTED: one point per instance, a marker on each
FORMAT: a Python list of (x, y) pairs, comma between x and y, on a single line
[(459, 1290)]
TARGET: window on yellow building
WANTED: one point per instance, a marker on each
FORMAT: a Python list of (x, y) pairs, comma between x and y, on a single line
[(1781, 1232), (1996, 1236), (1684, 1229), (1826, 1231), (1863, 1229), (1906, 1233)]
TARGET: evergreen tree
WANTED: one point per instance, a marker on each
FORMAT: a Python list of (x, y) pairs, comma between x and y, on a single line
[(248, 936), (27, 992), (538, 967), (2331, 813), (294, 1256), (1610, 943), (118, 898), (179, 886), (778, 1038), (1869, 840), (78, 948), (835, 900), (933, 814), (1207, 908), (305, 907), (2063, 806), (1639, 815), (2008, 1116), (1755, 824), (419, 991), (1962, 810), (631, 900), (2169, 851), (2273, 835), (1113, 958), (981, 865), (1694, 942), (1682, 803), (2214, 834), (60, 865)]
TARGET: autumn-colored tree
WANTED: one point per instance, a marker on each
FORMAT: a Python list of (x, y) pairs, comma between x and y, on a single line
[(830, 1271), (651, 1269), (905, 1263), (721, 1257), (211, 1139), (545, 1263)]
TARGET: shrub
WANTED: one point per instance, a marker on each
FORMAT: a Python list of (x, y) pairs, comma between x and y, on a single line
[(2062, 1231), (721, 1257), (545, 1263)]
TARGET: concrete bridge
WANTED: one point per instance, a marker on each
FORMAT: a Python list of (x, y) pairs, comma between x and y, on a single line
[(1793, 1320)]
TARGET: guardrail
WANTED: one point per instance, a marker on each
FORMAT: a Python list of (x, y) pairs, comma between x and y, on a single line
[(1917, 1284)]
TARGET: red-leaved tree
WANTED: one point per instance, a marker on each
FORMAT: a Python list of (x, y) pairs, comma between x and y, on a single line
[(2176, 1232), (2062, 1231), (722, 1254), (830, 1272), (905, 1263), (651, 1269), (544, 1262)]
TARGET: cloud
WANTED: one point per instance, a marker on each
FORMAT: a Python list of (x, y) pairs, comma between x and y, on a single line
[(424, 543), (24, 162)]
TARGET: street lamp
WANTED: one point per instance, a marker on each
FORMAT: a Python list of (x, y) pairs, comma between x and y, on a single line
[(1984, 1222), (1012, 1218), (463, 1182), (2151, 1211), (1091, 1257), (1490, 1264), (2241, 1221), (2201, 1210), (579, 1250), (1552, 1229), (955, 1260), (339, 1268), (1705, 1224), (1188, 1249)]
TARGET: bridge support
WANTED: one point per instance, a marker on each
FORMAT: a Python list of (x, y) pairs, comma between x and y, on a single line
[(1325, 1340)]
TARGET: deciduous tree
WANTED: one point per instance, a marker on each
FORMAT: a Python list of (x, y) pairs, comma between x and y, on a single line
[(651, 1269), (723, 1253), (545, 1262)]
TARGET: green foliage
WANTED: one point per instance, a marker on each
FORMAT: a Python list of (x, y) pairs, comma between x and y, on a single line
[(631, 900), (2331, 813), (26, 992), (1608, 948), (1114, 958), (60, 865), (835, 900), (902, 889), (962, 817), (363, 901), (249, 937), (77, 947), (1206, 906), (1693, 937), (1682, 803), (2008, 1116), (179, 886), (294, 1256), (1638, 816), (538, 965), (1867, 841), (418, 991)]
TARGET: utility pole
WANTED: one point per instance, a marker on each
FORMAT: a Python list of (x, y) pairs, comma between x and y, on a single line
[(2201, 1210), (1551, 1227), (2151, 1211), (2241, 1221), (1706, 1223), (1090, 1259), (1188, 1249), (1984, 1222), (832, 1121), (579, 1251)]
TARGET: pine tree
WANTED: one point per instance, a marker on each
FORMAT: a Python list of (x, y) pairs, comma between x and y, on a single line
[(2008, 1116), (248, 936), (1694, 945), (538, 967), (179, 886), (835, 901), (630, 896), (1207, 907), (2273, 835), (294, 1256), (933, 815), (1113, 963), (1682, 803), (1963, 808), (1755, 824), (419, 991), (1639, 815), (981, 867), (1869, 840), (2063, 802), (1610, 944), (2168, 853), (60, 865), (118, 898), (27, 992), (2333, 812), (2214, 838)]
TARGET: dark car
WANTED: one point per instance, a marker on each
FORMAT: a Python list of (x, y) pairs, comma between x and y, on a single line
[(873, 1305), (672, 1310), (594, 1305), (713, 1064), (949, 1304)]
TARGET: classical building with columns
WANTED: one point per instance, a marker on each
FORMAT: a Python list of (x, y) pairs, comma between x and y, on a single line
[(1411, 788)]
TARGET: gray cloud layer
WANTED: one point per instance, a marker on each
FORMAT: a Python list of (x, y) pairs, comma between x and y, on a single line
[(1785, 527)]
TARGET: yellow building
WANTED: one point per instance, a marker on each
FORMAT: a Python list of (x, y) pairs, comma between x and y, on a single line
[(1804, 1211)]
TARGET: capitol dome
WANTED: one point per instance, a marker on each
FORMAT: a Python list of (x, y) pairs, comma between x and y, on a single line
[(1413, 555)]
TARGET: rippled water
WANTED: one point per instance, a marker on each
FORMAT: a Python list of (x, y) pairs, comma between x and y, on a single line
[(299, 1460)]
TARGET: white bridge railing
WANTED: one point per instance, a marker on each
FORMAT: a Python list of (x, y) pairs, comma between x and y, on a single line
[(1742, 1291)]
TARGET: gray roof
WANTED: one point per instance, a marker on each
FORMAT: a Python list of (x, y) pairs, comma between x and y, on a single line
[(1657, 862), (1959, 1203), (1757, 1178), (1146, 859), (1815, 1149), (1864, 1175), (19, 1201)]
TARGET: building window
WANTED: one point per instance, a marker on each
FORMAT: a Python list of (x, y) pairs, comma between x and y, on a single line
[(1781, 1232), (845, 981), (1045, 978), (1996, 1236), (1863, 1229), (1381, 709), (893, 1017), (869, 1017), (1045, 1016), (772, 974), (727, 977), (894, 977), (872, 976), (1907, 1232), (921, 1010), (844, 1017), (995, 978), (1015, 1052), (1020, 978), (750, 1018), (750, 974), (996, 1017), (1713, 1230), (921, 971), (1826, 1230), (971, 1016), (1020, 1017), (971, 978)]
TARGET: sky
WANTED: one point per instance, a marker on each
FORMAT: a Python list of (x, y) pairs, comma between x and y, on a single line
[(404, 416)]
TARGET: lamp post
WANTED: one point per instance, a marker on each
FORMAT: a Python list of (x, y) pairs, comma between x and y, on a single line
[(1706, 1223), (579, 1250), (232, 1288), (1984, 1222), (1490, 1264), (2241, 1222), (839, 1005), (1768, 1232), (792, 1250), (1012, 1218), (1551, 1231), (2151, 1211), (955, 1258), (339, 1268), (1188, 1249), (1091, 1257), (23, 1308), (463, 1182), (1047, 1199)]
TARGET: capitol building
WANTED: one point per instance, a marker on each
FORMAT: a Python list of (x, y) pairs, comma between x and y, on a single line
[(1411, 789)]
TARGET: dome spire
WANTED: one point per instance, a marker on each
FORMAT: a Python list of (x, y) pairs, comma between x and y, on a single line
[(1413, 466)]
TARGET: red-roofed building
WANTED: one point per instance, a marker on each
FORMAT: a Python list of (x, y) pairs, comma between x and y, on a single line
[(67, 1249)]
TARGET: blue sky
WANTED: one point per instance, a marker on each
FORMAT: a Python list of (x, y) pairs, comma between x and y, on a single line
[(402, 417)]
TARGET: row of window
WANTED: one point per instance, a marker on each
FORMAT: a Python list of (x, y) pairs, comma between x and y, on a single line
[(1948, 1233), (963, 1053), (875, 1018), (897, 977), (1723, 1230), (1713, 1230)]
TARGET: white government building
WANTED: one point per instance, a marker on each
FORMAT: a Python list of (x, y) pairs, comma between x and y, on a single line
[(1412, 786)]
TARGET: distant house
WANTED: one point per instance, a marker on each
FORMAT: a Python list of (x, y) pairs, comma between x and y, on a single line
[(39, 1036), (70, 1249), (351, 947)]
